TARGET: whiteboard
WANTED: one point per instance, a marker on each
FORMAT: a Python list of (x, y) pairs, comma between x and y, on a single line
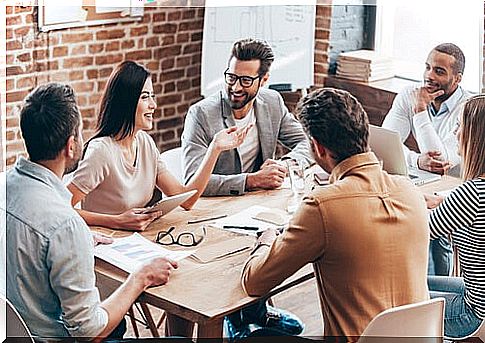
[(289, 29)]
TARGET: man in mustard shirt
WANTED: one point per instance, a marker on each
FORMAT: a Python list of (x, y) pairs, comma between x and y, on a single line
[(366, 233)]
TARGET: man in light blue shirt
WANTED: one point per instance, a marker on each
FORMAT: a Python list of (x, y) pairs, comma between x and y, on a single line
[(50, 257)]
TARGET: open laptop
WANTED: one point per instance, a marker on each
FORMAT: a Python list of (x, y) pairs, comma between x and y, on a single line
[(387, 146)]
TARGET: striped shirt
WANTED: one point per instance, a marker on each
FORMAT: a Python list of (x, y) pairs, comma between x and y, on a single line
[(462, 214)]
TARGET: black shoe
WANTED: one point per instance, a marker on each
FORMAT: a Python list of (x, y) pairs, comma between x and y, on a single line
[(283, 321)]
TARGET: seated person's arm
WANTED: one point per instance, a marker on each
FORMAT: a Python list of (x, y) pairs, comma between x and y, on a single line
[(133, 219), (270, 176), (224, 140), (196, 140)]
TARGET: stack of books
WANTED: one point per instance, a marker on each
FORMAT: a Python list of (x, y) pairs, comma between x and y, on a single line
[(364, 66)]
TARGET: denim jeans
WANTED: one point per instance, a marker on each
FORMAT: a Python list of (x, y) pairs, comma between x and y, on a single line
[(460, 320), (440, 260)]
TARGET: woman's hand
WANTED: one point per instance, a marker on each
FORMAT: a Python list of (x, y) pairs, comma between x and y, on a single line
[(135, 219), (231, 138), (432, 201)]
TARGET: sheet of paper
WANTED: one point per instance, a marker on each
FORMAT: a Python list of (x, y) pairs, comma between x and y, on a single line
[(130, 252), (246, 218), (444, 193)]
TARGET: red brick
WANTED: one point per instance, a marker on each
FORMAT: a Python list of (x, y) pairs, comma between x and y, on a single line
[(157, 88), (169, 87), (195, 82), (78, 50), (22, 31), (25, 57), (188, 14), (82, 100), (152, 41), (110, 34), (173, 16), (105, 72), (172, 75), (39, 55), (10, 135), (92, 74), (10, 59), (22, 9), (127, 44), (25, 82), (14, 20), (14, 70), (201, 12), (153, 65), (46, 66), (324, 11), (88, 112), (169, 111), (183, 85), (15, 146), (10, 84), (12, 122), (113, 46), (78, 62), (76, 37), (10, 160), (159, 17), (94, 99), (182, 37), (192, 94), (101, 86), (9, 10), (83, 87), (13, 45), (60, 77), (183, 108), (168, 135), (139, 55), (192, 25), (167, 51), (167, 63), (197, 58), (29, 19), (188, 49), (195, 70), (109, 59), (60, 51), (76, 75), (95, 48), (168, 40), (322, 34), (16, 96), (139, 31), (169, 99), (165, 28), (183, 61), (8, 33), (196, 36)]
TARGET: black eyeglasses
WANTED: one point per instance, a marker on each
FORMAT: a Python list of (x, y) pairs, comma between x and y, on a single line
[(244, 80), (185, 239)]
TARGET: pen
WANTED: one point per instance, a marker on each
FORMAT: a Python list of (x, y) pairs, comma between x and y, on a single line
[(240, 227), (194, 221)]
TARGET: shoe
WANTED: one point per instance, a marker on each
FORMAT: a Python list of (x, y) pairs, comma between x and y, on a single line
[(235, 332), (283, 321)]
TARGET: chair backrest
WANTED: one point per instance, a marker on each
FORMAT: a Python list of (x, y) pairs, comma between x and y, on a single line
[(173, 160), (424, 319), (15, 324)]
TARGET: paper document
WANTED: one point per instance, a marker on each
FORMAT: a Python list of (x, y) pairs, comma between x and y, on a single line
[(445, 193), (130, 252), (254, 219)]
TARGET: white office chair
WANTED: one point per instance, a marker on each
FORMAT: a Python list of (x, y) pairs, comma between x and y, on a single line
[(15, 324), (479, 333), (422, 321), (173, 160)]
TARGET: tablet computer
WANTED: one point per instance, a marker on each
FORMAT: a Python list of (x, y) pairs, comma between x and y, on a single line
[(169, 203)]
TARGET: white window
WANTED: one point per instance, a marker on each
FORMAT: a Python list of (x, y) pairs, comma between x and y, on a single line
[(408, 30)]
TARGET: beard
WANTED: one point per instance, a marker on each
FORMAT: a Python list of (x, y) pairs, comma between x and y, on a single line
[(237, 105), (71, 167), (434, 87), (74, 163)]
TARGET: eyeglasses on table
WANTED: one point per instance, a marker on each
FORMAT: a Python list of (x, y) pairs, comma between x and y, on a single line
[(185, 239)]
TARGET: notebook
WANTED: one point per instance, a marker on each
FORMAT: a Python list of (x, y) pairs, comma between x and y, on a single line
[(387, 146)]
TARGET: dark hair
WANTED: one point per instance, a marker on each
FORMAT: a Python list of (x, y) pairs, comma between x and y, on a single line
[(49, 116), (119, 101), (254, 49), (336, 120), (453, 50)]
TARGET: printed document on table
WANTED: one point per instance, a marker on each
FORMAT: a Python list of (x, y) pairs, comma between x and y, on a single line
[(130, 252)]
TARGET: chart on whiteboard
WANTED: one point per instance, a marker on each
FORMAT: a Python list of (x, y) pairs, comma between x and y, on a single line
[(289, 29)]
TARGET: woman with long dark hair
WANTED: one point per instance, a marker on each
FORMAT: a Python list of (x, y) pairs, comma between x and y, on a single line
[(462, 214), (121, 165)]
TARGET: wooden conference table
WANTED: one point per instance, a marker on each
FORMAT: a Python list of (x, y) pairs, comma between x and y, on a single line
[(205, 292)]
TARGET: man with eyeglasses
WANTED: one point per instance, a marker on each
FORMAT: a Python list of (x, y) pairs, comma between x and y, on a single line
[(251, 166)]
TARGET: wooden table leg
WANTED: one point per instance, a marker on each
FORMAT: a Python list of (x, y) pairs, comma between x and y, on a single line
[(151, 323), (212, 329)]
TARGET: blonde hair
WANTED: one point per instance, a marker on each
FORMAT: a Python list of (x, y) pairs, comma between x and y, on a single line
[(473, 137)]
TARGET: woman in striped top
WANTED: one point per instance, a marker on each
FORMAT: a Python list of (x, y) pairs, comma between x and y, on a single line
[(462, 214)]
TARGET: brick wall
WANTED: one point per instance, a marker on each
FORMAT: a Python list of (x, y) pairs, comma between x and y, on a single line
[(168, 41)]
